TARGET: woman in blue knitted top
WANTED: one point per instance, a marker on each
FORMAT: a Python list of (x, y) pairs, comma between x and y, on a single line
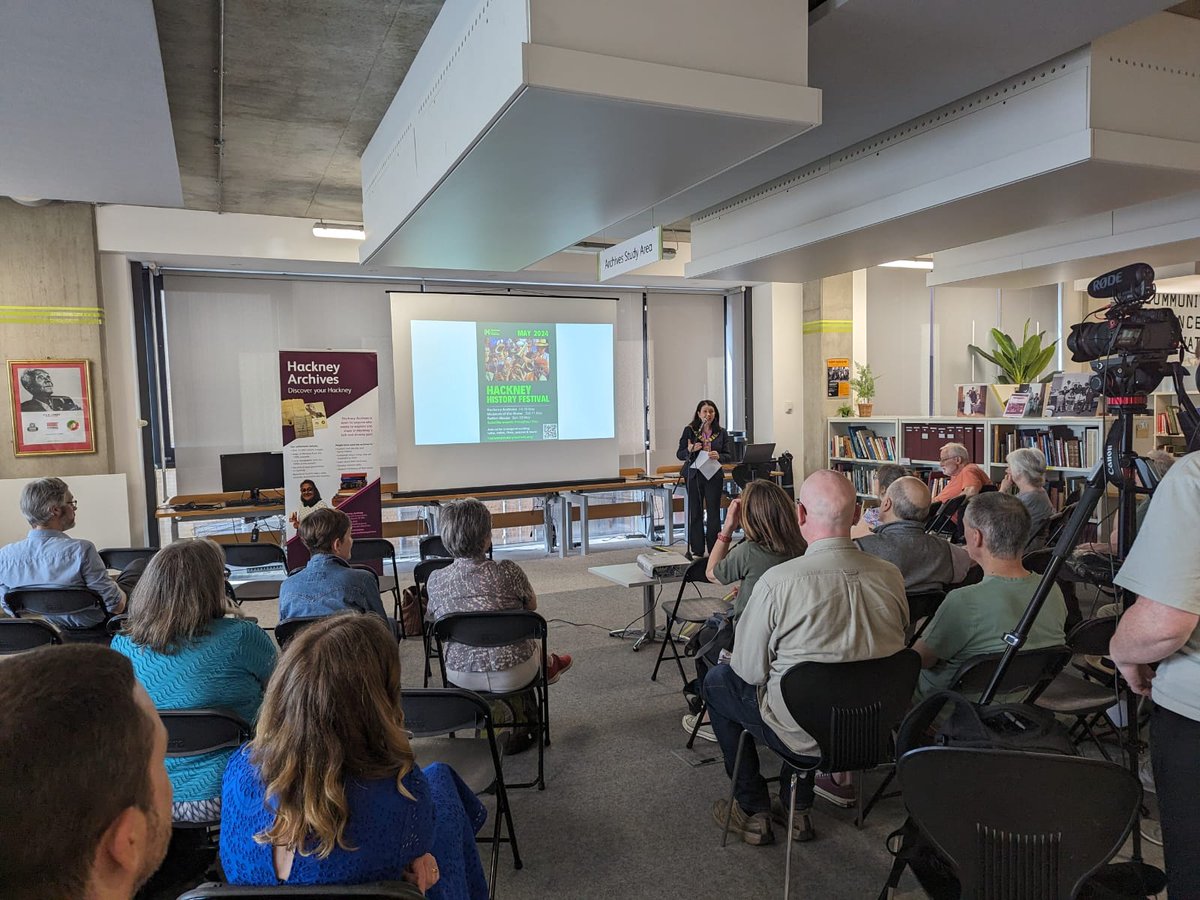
[(328, 791), (188, 654)]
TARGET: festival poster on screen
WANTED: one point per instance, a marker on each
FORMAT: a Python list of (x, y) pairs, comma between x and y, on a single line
[(330, 420), (518, 390)]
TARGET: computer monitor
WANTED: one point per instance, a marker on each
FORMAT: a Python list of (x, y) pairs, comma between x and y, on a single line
[(251, 472), (758, 453)]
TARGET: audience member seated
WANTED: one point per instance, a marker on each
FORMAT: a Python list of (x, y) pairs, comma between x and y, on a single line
[(883, 477), (965, 477), (328, 584), (1160, 461), (328, 791), (85, 802), (189, 655), (833, 604), (767, 516), (927, 562), (47, 558), (974, 619), (474, 583), (1027, 475)]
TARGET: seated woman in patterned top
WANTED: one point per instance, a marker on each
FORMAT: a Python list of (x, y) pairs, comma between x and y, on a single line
[(474, 583), (328, 792)]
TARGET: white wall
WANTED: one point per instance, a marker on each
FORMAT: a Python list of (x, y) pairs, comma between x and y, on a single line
[(687, 365), (777, 312)]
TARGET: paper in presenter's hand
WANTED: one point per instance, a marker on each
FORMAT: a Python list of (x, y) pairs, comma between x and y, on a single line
[(707, 466)]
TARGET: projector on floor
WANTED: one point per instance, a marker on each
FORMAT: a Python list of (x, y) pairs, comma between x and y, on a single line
[(663, 565)]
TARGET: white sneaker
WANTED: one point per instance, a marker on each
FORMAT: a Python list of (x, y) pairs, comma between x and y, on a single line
[(706, 732)]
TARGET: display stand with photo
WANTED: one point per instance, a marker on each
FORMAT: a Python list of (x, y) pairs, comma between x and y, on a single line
[(51, 403)]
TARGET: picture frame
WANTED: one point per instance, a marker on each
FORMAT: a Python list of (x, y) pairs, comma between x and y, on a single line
[(51, 402), (972, 400)]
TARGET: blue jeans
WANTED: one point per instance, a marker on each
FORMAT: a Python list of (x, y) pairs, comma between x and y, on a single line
[(733, 709)]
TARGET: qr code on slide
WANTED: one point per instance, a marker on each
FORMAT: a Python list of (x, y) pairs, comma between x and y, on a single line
[(549, 432)]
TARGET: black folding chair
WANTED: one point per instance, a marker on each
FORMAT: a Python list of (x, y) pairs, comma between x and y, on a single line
[(120, 557), (942, 522), (19, 635), (1087, 699), (495, 629), (391, 890), (849, 709), (921, 606), (195, 732), (421, 573), (433, 716), (431, 547), (1018, 824), (56, 603), (1029, 674), (289, 628), (379, 550), (696, 610)]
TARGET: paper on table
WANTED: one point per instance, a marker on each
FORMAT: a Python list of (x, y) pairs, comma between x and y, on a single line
[(707, 465)]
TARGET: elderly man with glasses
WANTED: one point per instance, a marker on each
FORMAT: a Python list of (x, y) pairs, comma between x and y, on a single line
[(48, 558), (965, 477)]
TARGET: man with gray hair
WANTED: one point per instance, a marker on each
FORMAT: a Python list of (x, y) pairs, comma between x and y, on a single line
[(48, 558), (974, 619), (927, 562), (41, 393), (965, 477)]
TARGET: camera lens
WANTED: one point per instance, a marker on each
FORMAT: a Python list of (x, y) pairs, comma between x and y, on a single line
[(1089, 340)]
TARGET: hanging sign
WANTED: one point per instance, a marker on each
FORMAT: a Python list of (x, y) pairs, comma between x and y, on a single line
[(632, 254)]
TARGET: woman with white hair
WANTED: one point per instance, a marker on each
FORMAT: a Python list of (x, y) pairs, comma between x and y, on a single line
[(1027, 474)]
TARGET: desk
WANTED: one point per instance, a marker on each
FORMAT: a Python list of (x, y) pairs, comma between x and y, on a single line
[(630, 575)]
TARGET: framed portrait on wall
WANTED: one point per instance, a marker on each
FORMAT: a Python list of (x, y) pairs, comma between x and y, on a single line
[(51, 402)]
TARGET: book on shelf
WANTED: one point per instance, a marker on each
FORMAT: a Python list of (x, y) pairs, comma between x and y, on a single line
[(1063, 446), (861, 477), (1018, 402), (861, 442)]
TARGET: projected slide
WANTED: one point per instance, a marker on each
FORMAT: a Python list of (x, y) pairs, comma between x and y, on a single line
[(500, 382)]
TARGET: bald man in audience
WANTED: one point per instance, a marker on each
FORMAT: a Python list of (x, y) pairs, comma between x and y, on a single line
[(85, 801), (834, 604), (927, 562)]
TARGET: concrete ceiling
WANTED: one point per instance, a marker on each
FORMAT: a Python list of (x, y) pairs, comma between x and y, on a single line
[(306, 83)]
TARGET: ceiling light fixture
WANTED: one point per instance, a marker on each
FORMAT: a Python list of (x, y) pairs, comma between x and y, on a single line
[(908, 264), (339, 230)]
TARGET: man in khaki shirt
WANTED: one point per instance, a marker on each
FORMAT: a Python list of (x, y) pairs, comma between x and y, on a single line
[(834, 604)]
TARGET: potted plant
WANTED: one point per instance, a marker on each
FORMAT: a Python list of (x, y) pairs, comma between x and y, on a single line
[(863, 385), (845, 410), (1018, 364)]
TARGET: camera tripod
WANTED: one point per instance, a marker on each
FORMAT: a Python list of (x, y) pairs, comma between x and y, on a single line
[(1116, 468)]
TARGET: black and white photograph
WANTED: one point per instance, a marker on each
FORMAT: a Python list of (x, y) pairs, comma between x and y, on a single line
[(1072, 395)]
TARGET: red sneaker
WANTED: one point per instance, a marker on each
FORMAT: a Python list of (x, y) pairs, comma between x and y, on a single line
[(558, 663)]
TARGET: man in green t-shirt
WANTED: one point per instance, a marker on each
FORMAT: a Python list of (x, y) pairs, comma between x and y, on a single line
[(974, 619), (1163, 627)]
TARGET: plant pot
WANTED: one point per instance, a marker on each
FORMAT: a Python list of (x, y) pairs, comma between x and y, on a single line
[(865, 409)]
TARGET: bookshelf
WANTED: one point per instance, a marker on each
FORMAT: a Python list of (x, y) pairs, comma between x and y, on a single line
[(1164, 407), (1071, 445), (858, 445)]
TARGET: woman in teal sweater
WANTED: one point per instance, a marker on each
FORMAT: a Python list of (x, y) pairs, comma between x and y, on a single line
[(188, 653)]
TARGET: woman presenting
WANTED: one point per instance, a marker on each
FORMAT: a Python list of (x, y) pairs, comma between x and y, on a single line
[(704, 435)]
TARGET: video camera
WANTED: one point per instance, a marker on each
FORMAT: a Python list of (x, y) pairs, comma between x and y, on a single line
[(1129, 350)]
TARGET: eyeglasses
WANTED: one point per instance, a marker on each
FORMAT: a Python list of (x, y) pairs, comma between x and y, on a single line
[(74, 504)]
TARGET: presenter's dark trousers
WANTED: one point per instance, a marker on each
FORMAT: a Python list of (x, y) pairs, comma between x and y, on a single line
[(704, 503), (1175, 755)]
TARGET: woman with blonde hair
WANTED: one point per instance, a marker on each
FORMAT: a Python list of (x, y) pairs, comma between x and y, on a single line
[(192, 650), (328, 791)]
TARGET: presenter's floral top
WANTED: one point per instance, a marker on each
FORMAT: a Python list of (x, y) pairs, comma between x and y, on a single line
[(480, 585)]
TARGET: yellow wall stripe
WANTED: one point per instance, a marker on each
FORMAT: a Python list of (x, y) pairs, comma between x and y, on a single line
[(52, 315), (829, 326)]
